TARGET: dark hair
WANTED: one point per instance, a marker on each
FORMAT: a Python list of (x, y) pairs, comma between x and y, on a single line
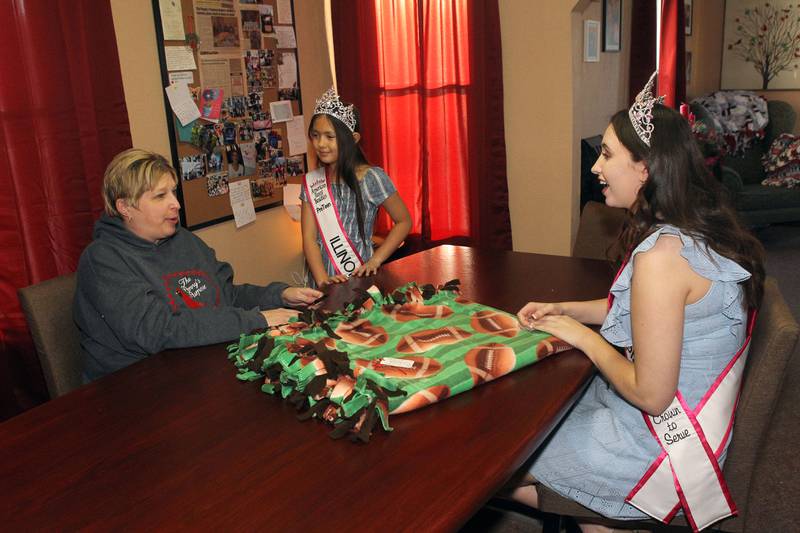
[(680, 190), (234, 149), (350, 157)]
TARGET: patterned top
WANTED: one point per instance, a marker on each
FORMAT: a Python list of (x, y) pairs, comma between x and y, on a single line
[(603, 447), (376, 187)]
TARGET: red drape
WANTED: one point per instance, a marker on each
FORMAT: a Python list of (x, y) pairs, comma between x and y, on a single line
[(62, 119), (671, 68), (672, 51), (643, 46), (427, 77)]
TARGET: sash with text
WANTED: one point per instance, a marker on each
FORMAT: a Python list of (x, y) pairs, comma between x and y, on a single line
[(342, 253), (687, 474)]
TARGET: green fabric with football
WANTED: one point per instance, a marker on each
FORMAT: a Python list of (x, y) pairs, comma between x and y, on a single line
[(388, 354)]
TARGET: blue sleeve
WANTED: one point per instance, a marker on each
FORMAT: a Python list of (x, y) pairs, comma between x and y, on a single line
[(377, 186)]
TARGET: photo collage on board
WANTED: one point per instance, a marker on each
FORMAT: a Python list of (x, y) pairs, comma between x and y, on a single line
[(245, 58)]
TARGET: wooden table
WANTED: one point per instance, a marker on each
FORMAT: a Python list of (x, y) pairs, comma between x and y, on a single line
[(176, 442)]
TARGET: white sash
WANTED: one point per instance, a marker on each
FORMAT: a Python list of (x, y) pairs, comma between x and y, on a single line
[(686, 474), (341, 251)]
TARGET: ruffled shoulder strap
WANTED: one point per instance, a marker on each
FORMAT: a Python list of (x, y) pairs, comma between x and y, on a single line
[(701, 258)]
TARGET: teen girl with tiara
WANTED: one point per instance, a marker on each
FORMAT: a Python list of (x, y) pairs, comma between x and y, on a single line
[(340, 199), (650, 434)]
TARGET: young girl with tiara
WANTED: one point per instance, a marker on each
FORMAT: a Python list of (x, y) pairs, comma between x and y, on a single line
[(340, 199)]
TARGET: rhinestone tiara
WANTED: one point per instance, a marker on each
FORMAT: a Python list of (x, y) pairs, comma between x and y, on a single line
[(641, 112), (329, 104)]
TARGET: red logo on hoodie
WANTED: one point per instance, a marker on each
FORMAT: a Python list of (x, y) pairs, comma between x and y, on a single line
[(194, 288)]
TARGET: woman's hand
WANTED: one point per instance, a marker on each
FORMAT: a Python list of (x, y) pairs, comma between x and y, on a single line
[(536, 310), (276, 317), (567, 329), (367, 269), (300, 295), (338, 278)]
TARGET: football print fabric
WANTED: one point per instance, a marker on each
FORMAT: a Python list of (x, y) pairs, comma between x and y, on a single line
[(388, 354)]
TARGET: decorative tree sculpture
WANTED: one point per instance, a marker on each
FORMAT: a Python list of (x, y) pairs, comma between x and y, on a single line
[(769, 38)]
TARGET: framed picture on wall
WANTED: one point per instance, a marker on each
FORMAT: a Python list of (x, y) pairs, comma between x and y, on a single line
[(591, 41), (758, 53), (687, 17), (612, 25)]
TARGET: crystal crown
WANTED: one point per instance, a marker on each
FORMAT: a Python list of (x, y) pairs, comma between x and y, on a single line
[(641, 112), (329, 104)]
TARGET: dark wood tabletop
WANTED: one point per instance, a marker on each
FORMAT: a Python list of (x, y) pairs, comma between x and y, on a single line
[(177, 442)]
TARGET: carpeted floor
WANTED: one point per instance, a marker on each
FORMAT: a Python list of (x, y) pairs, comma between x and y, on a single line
[(782, 243)]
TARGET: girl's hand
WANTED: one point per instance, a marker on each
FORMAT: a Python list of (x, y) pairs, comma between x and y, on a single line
[(276, 317), (536, 310), (300, 295), (338, 278), (367, 269), (567, 329)]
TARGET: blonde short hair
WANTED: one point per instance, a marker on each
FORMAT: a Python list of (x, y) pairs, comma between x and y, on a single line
[(131, 174)]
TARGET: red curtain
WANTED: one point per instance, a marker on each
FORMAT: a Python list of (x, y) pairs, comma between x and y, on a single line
[(643, 46), (62, 119), (672, 52), (427, 78)]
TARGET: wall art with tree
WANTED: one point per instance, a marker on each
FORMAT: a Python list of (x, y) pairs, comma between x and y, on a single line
[(761, 46)]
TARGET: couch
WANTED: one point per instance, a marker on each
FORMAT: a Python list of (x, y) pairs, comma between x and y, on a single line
[(759, 205)]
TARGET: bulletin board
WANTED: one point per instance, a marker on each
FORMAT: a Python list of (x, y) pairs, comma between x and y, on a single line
[(232, 93)]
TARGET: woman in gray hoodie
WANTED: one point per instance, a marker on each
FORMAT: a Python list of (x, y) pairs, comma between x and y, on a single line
[(145, 284)]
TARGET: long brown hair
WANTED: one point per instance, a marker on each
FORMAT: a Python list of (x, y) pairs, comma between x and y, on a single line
[(350, 158), (681, 191)]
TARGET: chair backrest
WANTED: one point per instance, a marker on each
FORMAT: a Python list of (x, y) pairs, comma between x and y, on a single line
[(782, 118), (598, 230), (48, 308), (772, 346)]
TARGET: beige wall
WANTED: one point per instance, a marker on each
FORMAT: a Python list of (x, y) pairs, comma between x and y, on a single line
[(601, 89), (552, 99), (537, 84), (270, 248), (705, 44)]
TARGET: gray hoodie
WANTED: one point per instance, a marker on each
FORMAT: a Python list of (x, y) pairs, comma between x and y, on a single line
[(136, 298)]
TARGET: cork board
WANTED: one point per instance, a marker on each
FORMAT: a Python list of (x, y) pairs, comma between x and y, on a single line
[(238, 60)]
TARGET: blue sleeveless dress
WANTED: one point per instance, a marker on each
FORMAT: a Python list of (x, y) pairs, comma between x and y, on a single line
[(603, 447)]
